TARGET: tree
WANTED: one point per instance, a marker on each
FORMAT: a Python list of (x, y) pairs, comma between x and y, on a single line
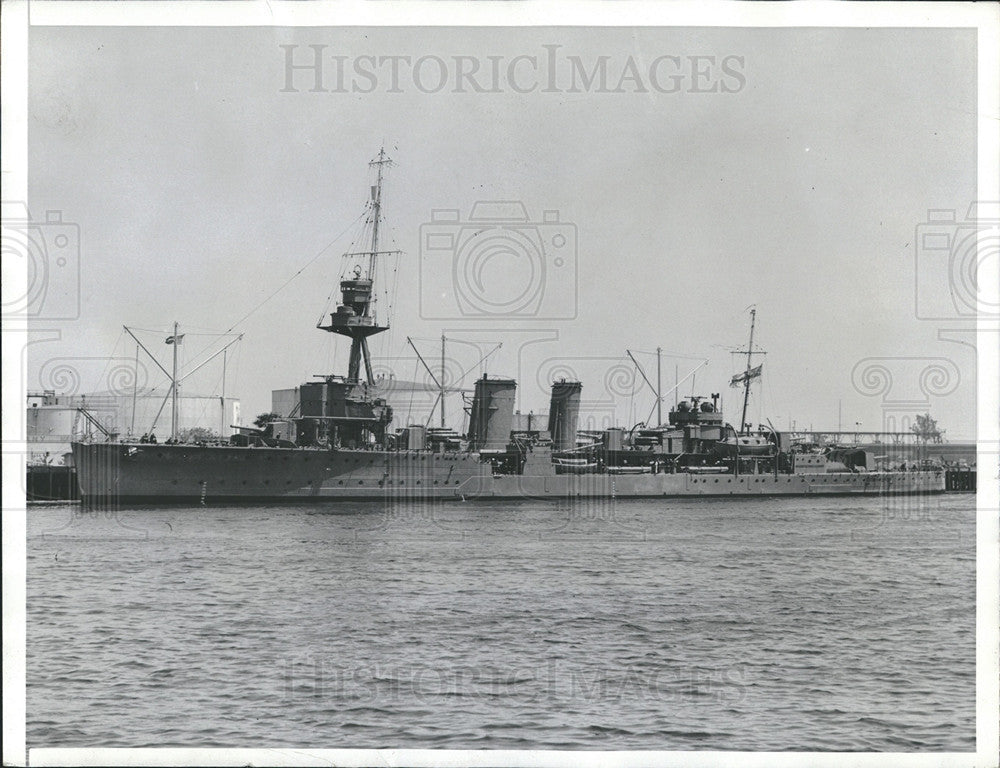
[(197, 435), (926, 429), (264, 419)]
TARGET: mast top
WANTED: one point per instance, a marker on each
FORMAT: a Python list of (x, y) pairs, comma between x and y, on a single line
[(381, 158)]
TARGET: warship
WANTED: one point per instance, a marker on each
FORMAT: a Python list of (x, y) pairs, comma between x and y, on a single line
[(337, 442)]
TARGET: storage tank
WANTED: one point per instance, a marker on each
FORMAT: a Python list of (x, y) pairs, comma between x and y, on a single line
[(564, 412), (50, 423), (492, 414)]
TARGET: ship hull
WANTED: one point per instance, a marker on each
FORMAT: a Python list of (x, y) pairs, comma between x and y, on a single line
[(180, 473), (128, 473), (685, 485)]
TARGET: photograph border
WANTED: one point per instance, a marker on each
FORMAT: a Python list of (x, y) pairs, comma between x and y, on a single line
[(19, 15)]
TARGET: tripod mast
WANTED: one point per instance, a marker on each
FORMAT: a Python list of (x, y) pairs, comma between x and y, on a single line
[(355, 315)]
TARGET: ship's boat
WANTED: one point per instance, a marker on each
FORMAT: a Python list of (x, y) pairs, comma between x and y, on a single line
[(574, 466), (745, 445), (629, 470)]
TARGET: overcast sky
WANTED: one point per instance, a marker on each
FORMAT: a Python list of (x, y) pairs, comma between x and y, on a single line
[(714, 169)]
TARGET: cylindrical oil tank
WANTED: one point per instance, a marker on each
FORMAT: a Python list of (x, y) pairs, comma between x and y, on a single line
[(564, 412), (492, 414), (52, 423)]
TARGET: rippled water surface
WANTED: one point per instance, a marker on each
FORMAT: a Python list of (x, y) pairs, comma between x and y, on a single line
[(836, 624)]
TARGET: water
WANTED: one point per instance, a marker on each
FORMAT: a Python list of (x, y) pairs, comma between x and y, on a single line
[(792, 624)]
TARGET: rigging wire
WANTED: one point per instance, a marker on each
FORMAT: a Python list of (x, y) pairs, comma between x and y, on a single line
[(631, 396), (107, 363), (666, 353), (387, 288), (409, 407), (392, 301), (229, 331), (284, 285)]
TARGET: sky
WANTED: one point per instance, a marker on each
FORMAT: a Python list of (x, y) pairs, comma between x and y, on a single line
[(710, 171)]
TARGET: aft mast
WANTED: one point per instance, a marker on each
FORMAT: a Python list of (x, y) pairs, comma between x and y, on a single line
[(355, 316), (750, 373)]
